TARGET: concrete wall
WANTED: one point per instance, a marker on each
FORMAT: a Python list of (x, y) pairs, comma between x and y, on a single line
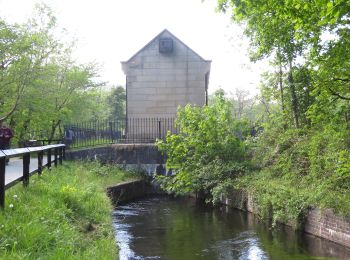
[(125, 192), (120, 154), (157, 83), (144, 157)]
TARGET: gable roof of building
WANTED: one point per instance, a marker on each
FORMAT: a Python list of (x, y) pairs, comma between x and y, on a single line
[(173, 36)]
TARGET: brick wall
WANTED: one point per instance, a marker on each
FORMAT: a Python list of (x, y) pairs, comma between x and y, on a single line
[(326, 224), (322, 223)]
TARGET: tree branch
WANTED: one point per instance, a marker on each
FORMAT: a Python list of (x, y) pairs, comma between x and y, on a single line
[(342, 79), (337, 94), (13, 108)]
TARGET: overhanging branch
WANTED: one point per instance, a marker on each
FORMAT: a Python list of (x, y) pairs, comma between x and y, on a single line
[(337, 94)]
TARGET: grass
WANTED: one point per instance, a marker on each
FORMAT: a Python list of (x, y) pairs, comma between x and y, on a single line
[(297, 169), (290, 196), (64, 214)]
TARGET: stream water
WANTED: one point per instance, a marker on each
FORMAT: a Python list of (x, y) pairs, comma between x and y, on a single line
[(172, 228)]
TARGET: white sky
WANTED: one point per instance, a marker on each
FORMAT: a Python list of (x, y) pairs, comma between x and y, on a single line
[(110, 31)]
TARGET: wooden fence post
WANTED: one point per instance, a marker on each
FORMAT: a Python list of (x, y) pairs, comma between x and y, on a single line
[(40, 162), (55, 152), (60, 157), (64, 152), (2, 181), (26, 163), (49, 158)]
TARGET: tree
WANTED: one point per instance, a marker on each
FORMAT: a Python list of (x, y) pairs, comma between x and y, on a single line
[(240, 102), (23, 49), (69, 80), (41, 86), (271, 33), (308, 42), (317, 31), (116, 100), (208, 152)]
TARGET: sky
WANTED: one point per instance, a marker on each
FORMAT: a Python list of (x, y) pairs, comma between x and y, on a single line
[(111, 31)]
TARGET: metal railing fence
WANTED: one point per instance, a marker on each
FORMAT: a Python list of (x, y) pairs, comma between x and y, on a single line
[(130, 130)]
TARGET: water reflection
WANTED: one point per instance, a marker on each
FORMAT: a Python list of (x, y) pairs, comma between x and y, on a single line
[(168, 228)]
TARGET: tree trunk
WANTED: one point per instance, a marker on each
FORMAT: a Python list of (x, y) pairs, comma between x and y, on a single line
[(280, 79), (54, 126), (25, 128), (294, 96), (281, 86)]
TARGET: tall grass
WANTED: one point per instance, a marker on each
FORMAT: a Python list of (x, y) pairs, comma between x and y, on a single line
[(64, 214)]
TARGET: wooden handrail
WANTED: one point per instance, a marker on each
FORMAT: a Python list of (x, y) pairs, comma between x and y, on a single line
[(58, 151)]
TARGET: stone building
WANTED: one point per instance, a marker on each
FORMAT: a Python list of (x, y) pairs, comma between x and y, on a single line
[(164, 75)]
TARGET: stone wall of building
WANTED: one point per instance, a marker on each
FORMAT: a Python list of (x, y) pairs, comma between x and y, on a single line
[(157, 83)]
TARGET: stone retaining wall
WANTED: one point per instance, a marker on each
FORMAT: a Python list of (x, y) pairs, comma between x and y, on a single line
[(144, 157), (125, 192), (93, 153), (321, 223), (119, 154), (326, 224)]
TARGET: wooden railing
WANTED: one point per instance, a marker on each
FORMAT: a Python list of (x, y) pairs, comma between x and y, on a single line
[(55, 154)]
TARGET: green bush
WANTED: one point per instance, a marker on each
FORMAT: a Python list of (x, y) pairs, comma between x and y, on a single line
[(209, 151), (299, 168)]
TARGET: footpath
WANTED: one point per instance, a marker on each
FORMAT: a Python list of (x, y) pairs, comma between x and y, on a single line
[(14, 169)]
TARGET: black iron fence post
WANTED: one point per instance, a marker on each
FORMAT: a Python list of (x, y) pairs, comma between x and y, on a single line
[(159, 130), (26, 164), (2, 181), (111, 131)]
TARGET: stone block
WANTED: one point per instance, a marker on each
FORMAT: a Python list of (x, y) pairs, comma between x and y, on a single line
[(151, 65), (166, 91), (141, 91)]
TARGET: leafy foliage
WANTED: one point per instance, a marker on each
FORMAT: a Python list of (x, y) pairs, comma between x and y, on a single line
[(303, 153), (116, 101), (208, 151), (41, 86)]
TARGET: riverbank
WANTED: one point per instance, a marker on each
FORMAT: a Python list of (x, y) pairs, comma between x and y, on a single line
[(292, 202), (64, 214)]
